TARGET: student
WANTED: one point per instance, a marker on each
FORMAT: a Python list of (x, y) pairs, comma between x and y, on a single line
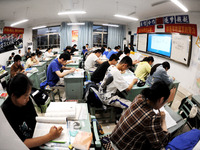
[(20, 113), (140, 127), (54, 70), (48, 53), (105, 53), (100, 72), (16, 67), (37, 50), (116, 50), (159, 73), (127, 53), (73, 49), (67, 50), (93, 59), (28, 53), (130, 47), (84, 50), (114, 81), (144, 68), (87, 47), (31, 61), (39, 56), (19, 53), (10, 58)]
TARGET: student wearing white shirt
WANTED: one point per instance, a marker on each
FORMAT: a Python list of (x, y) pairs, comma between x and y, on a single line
[(31, 61), (93, 59), (127, 53), (39, 56), (48, 53)]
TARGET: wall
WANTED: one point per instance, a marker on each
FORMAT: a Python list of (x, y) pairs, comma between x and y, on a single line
[(27, 37), (186, 75)]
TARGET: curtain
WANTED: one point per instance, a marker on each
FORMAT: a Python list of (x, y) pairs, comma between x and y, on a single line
[(65, 36), (85, 35), (116, 36)]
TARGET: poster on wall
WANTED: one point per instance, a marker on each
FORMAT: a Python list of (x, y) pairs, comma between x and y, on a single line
[(74, 37), (10, 42)]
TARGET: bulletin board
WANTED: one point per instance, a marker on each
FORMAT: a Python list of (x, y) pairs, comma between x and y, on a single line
[(142, 42), (181, 48)]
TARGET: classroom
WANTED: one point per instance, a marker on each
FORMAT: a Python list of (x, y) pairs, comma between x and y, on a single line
[(99, 74)]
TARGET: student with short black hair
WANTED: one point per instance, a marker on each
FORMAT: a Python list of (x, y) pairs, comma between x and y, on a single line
[(114, 81), (39, 56), (20, 113), (31, 61), (114, 51), (92, 60), (100, 72), (105, 53), (48, 53), (28, 53), (140, 127), (84, 50), (144, 67), (159, 73), (10, 58), (74, 49), (68, 49), (16, 67)]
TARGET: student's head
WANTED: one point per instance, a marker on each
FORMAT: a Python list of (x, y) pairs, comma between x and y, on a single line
[(119, 46), (39, 54), (157, 94), (19, 89), (68, 48), (125, 63), (126, 51), (12, 54), (98, 52), (109, 49), (64, 57), (84, 47), (87, 45), (74, 45), (149, 59), (19, 51), (29, 49), (113, 59), (119, 53), (129, 45), (166, 65), (102, 49), (17, 59), (33, 56), (116, 48), (49, 50), (104, 46)]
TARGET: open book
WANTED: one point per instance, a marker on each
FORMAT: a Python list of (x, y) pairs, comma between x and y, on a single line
[(56, 115)]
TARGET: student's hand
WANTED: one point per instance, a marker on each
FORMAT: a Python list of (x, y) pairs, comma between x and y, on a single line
[(72, 70), (173, 78), (55, 132), (135, 80), (135, 62), (172, 95), (162, 114)]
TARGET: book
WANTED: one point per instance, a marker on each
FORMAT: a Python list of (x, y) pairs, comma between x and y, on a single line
[(57, 115)]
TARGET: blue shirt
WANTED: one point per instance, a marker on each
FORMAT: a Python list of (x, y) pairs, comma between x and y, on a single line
[(52, 77), (110, 53), (83, 51), (106, 53)]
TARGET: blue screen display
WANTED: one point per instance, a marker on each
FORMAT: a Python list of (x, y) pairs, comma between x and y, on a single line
[(160, 44)]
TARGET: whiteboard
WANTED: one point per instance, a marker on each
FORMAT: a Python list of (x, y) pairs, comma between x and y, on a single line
[(142, 42), (181, 47)]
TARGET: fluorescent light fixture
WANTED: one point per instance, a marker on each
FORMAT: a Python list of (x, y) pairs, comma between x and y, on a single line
[(126, 17), (39, 27), (180, 5), (71, 12), (19, 22), (111, 25), (73, 24)]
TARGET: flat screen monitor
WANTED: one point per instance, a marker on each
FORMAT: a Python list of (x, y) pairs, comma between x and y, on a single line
[(160, 44)]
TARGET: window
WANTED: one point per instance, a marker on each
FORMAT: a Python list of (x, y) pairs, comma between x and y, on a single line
[(100, 35), (48, 37)]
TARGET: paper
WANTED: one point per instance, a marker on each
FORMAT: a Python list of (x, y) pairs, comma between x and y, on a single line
[(129, 76), (170, 122)]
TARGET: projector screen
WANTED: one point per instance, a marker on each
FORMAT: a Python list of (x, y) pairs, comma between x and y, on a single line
[(160, 44)]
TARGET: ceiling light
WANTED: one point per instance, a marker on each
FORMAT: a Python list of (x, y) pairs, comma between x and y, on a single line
[(73, 24), (180, 5), (39, 27), (19, 22), (126, 17), (111, 25), (71, 12)]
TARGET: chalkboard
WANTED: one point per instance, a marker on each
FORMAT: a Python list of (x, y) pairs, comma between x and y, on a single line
[(142, 42), (181, 48)]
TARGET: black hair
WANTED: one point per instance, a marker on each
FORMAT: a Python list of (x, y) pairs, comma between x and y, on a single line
[(148, 59), (104, 46), (65, 56), (126, 51), (156, 91), (17, 57), (102, 49), (12, 53), (29, 48), (83, 47), (98, 51), (116, 47), (68, 47), (113, 56), (126, 60), (33, 54), (19, 50), (19, 85), (119, 53), (87, 44), (119, 46), (39, 53), (74, 45), (165, 65), (109, 48), (48, 49)]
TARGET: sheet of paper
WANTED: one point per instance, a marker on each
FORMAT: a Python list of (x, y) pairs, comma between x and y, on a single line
[(129, 76), (60, 120)]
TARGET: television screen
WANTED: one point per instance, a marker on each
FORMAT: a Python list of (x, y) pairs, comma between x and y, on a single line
[(160, 44)]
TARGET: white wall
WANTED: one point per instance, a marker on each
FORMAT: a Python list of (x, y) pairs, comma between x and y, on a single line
[(186, 75), (27, 37)]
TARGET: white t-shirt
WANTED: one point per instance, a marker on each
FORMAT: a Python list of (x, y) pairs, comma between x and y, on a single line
[(48, 55), (122, 56), (117, 82), (90, 62), (39, 59)]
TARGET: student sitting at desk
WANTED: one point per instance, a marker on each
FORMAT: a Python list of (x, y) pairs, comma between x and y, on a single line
[(84, 50), (67, 50), (139, 127), (100, 72), (74, 49), (28, 53), (31, 61), (115, 51), (127, 53), (39, 56), (10, 58), (144, 68), (19, 53), (105, 53), (114, 81), (48, 53), (20, 113), (159, 73), (16, 67), (93, 59)]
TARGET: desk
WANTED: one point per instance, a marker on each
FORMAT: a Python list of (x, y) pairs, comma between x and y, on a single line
[(34, 79), (74, 85), (75, 65), (41, 66), (1, 101)]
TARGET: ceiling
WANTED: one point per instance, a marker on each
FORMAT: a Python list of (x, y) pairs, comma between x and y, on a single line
[(44, 12)]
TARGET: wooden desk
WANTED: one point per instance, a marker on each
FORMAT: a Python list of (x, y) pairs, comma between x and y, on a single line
[(74, 85)]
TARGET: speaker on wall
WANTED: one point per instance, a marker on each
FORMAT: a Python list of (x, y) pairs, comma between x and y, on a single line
[(129, 32)]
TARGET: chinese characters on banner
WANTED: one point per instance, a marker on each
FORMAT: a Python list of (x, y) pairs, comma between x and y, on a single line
[(74, 37), (148, 29), (181, 28)]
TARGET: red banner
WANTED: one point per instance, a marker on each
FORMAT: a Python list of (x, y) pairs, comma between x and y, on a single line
[(181, 28), (10, 30), (148, 29)]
